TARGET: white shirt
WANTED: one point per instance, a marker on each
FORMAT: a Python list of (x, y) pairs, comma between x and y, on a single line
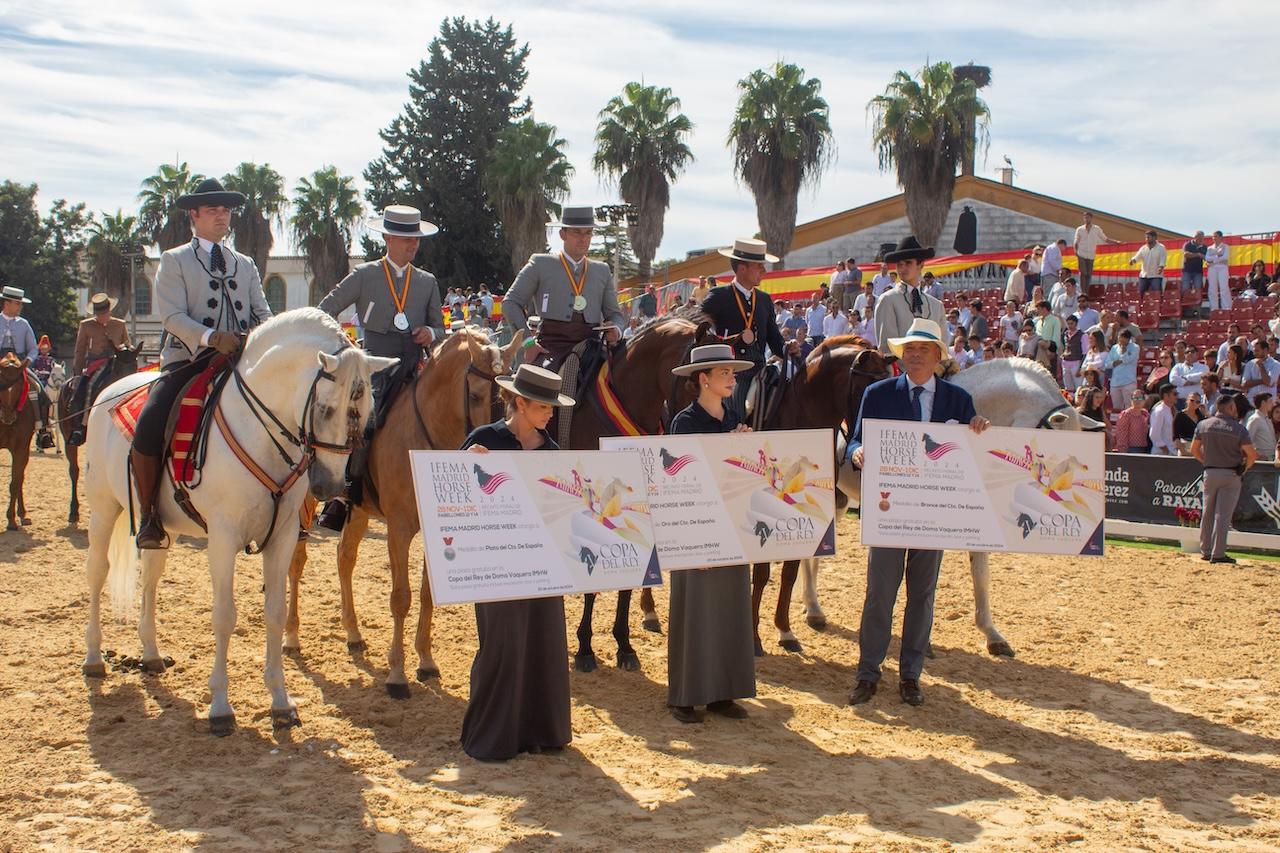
[(1015, 289), (926, 399), (835, 324), (813, 318), (1186, 377), (1064, 306), (1151, 259), (1052, 261), (966, 317), (1088, 318), (860, 304), (1010, 327), (880, 284), (1217, 255), (399, 271), (1087, 241), (783, 316), (867, 331), (1161, 430)]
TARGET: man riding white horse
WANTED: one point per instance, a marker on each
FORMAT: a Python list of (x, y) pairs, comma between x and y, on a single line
[(208, 296), (97, 340)]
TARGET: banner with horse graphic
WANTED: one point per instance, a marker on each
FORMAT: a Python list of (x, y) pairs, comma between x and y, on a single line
[(746, 497), (506, 525), (943, 486)]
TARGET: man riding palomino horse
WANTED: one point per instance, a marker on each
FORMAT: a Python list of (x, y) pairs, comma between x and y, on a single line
[(98, 338), (209, 296), (17, 337), (399, 309)]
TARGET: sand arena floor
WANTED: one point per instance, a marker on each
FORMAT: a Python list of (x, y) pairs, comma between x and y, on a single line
[(1141, 713)]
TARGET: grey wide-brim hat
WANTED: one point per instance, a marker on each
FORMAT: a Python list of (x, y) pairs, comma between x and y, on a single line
[(712, 355), (401, 220), (575, 217), (537, 384), (209, 192)]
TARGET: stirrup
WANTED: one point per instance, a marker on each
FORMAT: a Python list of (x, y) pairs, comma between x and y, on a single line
[(76, 438), (334, 515), (44, 439), (151, 536)]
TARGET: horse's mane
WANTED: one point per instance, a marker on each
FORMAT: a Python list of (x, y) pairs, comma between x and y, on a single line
[(1027, 367), (687, 312), (836, 342), (299, 325)]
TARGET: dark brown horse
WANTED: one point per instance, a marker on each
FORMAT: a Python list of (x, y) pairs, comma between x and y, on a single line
[(17, 425), (121, 364)]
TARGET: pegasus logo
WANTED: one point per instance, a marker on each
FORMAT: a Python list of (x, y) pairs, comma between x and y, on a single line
[(588, 558), (1027, 523), (936, 451), (489, 483), (673, 464), (764, 531)]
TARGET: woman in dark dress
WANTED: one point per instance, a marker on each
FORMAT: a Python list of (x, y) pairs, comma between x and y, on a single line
[(710, 651), (520, 677)]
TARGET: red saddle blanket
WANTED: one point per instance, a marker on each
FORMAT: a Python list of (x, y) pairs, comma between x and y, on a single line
[(183, 426)]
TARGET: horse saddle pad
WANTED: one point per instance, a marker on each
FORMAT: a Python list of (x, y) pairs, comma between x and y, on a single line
[(180, 432)]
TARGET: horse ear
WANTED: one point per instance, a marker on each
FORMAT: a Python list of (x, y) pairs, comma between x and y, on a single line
[(377, 362), (25, 362), (329, 363), (1058, 420), (703, 328)]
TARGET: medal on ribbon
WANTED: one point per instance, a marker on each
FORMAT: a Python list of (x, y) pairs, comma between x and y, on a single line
[(401, 320), (579, 301), (748, 317)]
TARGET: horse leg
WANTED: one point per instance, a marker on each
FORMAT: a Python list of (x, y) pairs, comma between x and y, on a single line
[(759, 580), (782, 613), (649, 611), (73, 469), (152, 568), (401, 599), (812, 610), (348, 550), (21, 457), (627, 657), (585, 659), (275, 569), (222, 571), (14, 488), (292, 621), (427, 668), (96, 566), (980, 568)]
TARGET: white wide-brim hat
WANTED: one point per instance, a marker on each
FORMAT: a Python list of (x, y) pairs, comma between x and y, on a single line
[(15, 293), (749, 250), (712, 355), (921, 330), (536, 383), (401, 220)]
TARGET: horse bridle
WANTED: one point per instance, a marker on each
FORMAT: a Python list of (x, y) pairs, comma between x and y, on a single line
[(850, 415), (11, 408), (468, 426)]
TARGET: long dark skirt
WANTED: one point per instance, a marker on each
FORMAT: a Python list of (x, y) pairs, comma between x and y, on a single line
[(710, 653), (519, 680)]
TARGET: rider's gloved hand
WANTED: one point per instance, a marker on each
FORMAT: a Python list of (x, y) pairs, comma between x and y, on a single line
[(224, 342)]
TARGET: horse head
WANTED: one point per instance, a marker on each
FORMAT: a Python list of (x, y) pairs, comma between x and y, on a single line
[(340, 402), (457, 390), (124, 361), (13, 371)]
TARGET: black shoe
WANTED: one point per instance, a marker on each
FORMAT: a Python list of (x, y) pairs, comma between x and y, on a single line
[(44, 440), (909, 690), (1204, 557), (1224, 559), (334, 515), (728, 708), (77, 437), (686, 714), (862, 693)]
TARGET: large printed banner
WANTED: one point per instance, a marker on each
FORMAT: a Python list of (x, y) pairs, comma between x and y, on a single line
[(507, 525), (1151, 490), (746, 497), (942, 486)]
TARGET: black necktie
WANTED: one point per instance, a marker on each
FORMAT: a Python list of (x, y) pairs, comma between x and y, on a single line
[(917, 411), (216, 261), (917, 303)]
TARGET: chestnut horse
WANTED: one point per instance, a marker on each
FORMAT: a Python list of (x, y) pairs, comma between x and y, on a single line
[(17, 425)]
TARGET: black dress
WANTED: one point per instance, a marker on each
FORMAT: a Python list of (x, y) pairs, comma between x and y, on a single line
[(710, 650), (520, 676)]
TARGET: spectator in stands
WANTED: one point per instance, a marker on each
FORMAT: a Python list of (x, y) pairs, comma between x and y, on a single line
[(1275, 415), (1066, 303), (1033, 304), (1184, 423), (1055, 287), (796, 321), (783, 313), (1028, 341), (864, 300), (1218, 256), (1130, 434), (978, 353), (1092, 404), (1010, 322), (1095, 357), (883, 282), (931, 285), (865, 329), (1262, 431), (953, 322), (802, 335), (1092, 377), (839, 278), (978, 324), (1122, 322), (1034, 264), (960, 350), (1185, 376), (648, 303), (1088, 238), (1233, 332), (1210, 392), (1051, 261), (854, 285), (1193, 254), (1210, 359), (814, 317), (632, 326), (1123, 361), (700, 291), (1047, 355), (962, 306), (1159, 374), (1006, 349), (1161, 429), (1048, 326), (1262, 372), (1072, 354), (836, 322), (1086, 312), (1017, 289), (1257, 279)]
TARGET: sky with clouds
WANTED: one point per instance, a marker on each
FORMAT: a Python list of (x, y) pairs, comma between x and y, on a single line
[(1166, 112)]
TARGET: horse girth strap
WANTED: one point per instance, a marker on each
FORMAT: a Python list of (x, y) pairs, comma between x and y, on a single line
[(277, 490)]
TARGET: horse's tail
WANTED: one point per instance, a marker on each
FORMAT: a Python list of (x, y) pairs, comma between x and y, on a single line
[(125, 568)]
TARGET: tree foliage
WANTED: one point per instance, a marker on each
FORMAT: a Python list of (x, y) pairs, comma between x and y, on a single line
[(920, 129), (641, 145), (265, 206), (42, 256), (436, 152), (526, 178), (111, 238), (326, 209), (159, 215)]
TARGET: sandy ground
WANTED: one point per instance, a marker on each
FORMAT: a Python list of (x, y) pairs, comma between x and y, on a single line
[(1140, 714)]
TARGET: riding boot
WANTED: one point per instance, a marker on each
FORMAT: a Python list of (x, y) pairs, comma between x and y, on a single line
[(146, 475), (336, 512), (44, 438), (77, 412)]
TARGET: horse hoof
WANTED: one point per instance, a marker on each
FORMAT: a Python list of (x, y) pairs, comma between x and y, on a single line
[(291, 649), (285, 719), (652, 624), (26, 522), (759, 649), (222, 726), (74, 518), (817, 623), (928, 652), (585, 663), (1000, 649), (356, 646), (12, 526), (153, 665), (397, 691), (792, 646), (427, 674), (629, 661), (94, 670)]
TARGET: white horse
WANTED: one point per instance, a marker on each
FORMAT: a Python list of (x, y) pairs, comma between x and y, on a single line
[(295, 407), (1010, 392), (57, 378)]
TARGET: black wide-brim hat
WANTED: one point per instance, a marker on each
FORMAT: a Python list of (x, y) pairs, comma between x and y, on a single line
[(909, 249), (210, 192)]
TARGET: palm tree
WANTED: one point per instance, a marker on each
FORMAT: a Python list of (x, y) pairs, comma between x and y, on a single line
[(527, 176), (925, 128), (326, 210), (640, 144), (265, 204), (109, 240), (159, 217), (781, 141)]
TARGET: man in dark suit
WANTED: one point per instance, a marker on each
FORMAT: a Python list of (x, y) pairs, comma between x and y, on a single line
[(915, 395)]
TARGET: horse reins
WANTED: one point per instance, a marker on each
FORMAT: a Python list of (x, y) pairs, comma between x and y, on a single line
[(468, 426)]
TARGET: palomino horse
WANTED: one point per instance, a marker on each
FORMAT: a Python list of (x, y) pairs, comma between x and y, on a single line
[(17, 424), (123, 362), (1011, 392), (454, 393), (286, 420)]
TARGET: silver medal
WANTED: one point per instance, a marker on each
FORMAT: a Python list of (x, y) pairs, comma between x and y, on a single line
[(400, 321), (580, 303)]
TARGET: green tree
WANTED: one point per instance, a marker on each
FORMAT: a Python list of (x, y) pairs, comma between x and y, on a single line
[(112, 237), (265, 206), (781, 141), (436, 152), (922, 129), (326, 209), (159, 215), (611, 245), (42, 256), (526, 178), (640, 145)]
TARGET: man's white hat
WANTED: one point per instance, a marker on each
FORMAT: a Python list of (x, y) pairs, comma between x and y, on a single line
[(921, 330)]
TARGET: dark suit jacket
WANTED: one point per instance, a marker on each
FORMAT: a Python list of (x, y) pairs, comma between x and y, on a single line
[(726, 315), (890, 399)]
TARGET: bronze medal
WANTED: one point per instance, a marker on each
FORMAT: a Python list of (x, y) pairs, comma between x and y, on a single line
[(748, 337)]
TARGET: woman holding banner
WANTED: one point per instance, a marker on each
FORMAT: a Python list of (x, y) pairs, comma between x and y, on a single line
[(519, 679), (710, 651)]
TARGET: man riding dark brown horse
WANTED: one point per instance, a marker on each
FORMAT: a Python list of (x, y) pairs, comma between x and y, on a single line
[(98, 339)]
